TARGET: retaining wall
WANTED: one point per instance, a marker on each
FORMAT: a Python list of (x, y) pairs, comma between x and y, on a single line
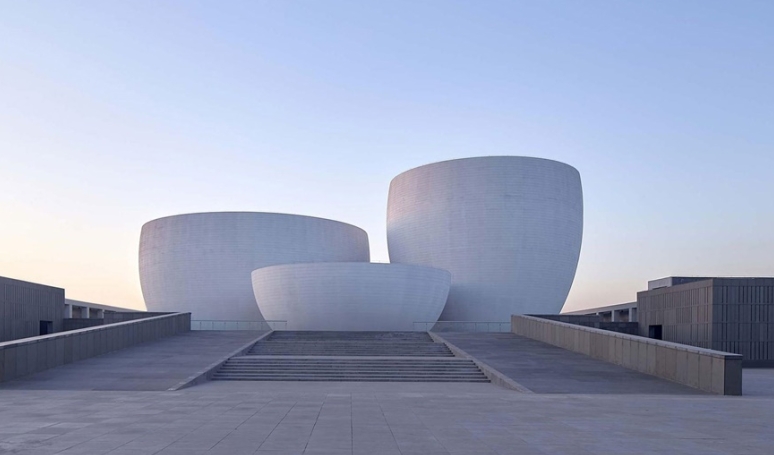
[(711, 371), (31, 355)]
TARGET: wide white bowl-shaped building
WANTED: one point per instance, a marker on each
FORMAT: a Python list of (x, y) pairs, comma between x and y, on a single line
[(201, 262), (508, 229), (351, 296)]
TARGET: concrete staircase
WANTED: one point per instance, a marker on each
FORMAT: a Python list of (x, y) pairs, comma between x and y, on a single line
[(350, 356), (372, 344)]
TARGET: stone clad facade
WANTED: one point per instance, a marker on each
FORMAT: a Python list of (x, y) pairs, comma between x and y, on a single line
[(508, 228), (351, 296), (201, 262)]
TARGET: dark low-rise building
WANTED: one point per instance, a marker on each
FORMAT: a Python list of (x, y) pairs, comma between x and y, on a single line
[(29, 309), (32, 309), (726, 314), (622, 312)]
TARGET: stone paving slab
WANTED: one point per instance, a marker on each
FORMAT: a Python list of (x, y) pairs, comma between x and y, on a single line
[(156, 365), (543, 368), (375, 418), (758, 382)]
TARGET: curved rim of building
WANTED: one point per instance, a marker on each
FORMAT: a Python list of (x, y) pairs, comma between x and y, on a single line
[(247, 212), (374, 265), (485, 158)]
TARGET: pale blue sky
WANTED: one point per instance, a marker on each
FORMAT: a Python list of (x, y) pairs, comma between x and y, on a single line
[(115, 113)]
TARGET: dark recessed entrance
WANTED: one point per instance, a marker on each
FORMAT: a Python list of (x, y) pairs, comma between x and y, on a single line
[(654, 331), (46, 327)]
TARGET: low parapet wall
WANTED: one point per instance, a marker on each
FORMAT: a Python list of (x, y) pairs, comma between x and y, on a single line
[(711, 371), (113, 317), (110, 317), (69, 324), (31, 355), (632, 328)]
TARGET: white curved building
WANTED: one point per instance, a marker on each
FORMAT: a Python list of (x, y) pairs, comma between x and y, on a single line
[(508, 229), (351, 296), (201, 262)]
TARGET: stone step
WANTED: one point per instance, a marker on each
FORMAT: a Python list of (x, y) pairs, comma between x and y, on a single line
[(370, 354), (350, 376), (343, 352), (346, 372), (336, 361), (376, 360), (352, 354), (350, 379), (336, 368), (340, 362), (355, 372), (268, 347), (385, 351), (360, 342), (409, 361), (380, 351), (326, 349), (348, 343), (333, 352), (335, 344), (343, 336)]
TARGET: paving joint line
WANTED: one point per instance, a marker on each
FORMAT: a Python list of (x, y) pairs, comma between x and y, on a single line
[(490, 372), (205, 374), (278, 424)]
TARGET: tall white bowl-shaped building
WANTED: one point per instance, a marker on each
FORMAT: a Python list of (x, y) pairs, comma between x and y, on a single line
[(201, 262), (351, 296), (508, 229)]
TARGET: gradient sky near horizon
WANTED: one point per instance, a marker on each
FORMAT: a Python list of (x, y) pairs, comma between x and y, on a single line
[(116, 113)]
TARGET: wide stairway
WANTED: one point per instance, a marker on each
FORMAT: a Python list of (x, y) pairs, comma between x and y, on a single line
[(415, 344), (350, 356)]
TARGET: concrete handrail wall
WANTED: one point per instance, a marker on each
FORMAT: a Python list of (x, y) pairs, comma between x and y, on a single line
[(711, 371), (31, 355)]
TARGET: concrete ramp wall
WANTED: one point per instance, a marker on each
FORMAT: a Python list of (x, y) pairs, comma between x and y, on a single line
[(31, 355), (711, 371)]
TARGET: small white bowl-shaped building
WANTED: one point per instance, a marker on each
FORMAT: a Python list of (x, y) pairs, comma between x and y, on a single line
[(351, 296), (508, 229), (201, 262)]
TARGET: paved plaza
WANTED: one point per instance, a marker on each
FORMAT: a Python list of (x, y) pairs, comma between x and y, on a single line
[(378, 418), (37, 417)]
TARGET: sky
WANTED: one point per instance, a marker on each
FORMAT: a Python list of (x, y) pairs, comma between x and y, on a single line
[(116, 113)]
